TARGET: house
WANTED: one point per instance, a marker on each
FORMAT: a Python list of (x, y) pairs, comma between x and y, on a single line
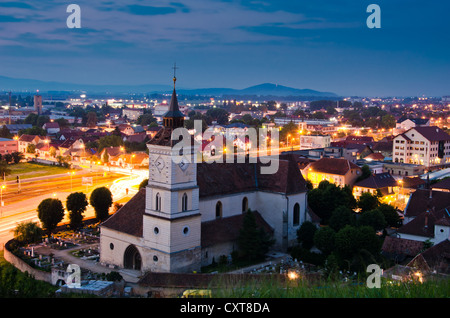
[(8, 146), (136, 138), (341, 172), (442, 185), (430, 225), (375, 156), (14, 128), (403, 124), (424, 199), (381, 183), (151, 131), (132, 113), (360, 140), (26, 140), (314, 141), (131, 160), (435, 259), (73, 147), (360, 150), (425, 145), (401, 170), (52, 128)]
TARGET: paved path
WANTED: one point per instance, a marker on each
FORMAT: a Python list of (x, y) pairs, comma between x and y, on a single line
[(129, 276)]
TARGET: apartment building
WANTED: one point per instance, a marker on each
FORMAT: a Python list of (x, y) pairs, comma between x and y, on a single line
[(426, 145)]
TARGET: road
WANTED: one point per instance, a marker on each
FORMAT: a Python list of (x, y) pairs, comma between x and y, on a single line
[(21, 206)]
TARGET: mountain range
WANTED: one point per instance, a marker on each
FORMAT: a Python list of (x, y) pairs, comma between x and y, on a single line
[(266, 89)]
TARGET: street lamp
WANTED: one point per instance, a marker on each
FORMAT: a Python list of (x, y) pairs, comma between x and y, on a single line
[(71, 173)]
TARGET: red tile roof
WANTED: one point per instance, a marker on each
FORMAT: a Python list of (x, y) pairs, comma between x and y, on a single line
[(333, 166), (377, 181), (443, 184), (423, 224), (420, 201), (432, 133)]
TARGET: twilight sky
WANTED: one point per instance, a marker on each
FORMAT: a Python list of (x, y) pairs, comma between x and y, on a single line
[(317, 44)]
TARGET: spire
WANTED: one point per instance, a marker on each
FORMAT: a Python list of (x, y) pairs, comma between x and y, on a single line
[(173, 118)]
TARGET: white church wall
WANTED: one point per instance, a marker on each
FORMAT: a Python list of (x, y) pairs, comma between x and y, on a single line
[(113, 245), (231, 205)]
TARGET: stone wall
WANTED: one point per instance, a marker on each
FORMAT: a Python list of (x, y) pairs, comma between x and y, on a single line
[(24, 267)]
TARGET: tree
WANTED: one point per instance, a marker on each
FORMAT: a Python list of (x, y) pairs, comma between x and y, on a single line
[(143, 183), (324, 199), (368, 201), (50, 213), (91, 119), (373, 218), (27, 233), (365, 173), (146, 119), (17, 156), (4, 169), (346, 241), (76, 205), (4, 132), (388, 121), (253, 241), (341, 217), (31, 148), (105, 157), (324, 240), (390, 215), (101, 200), (109, 141), (305, 234)]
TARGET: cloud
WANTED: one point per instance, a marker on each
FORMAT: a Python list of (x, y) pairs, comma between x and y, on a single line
[(149, 10), (8, 18), (20, 5)]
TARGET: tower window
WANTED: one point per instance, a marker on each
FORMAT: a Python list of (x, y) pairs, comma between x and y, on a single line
[(158, 202), (244, 205), (219, 209), (296, 220), (184, 202)]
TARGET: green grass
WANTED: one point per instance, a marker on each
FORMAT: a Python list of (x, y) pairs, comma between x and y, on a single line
[(328, 289), (14, 283), (31, 170)]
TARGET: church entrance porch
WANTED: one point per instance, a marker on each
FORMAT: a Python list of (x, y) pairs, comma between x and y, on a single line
[(132, 258)]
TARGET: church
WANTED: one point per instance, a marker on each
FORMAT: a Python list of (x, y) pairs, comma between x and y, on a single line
[(190, 214)]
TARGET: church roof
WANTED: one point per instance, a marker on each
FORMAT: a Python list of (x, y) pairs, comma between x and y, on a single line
[(129, 218), (174, 110), (227, 178)]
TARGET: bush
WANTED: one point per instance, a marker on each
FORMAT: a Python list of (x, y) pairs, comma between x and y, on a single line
[(305, 234)]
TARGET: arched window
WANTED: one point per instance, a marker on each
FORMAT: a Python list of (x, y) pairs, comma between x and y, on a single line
[(158, 202), (296, 220), (184, 202), (244, 205), (219, 209)]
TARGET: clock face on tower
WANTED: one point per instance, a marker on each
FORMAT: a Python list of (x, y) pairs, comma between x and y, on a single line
[(159, 164), (184, 164)]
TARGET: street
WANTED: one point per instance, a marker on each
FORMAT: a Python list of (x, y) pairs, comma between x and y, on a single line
[(22, 206)]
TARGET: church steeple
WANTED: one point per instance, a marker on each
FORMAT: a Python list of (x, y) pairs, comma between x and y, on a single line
[(173, 118)]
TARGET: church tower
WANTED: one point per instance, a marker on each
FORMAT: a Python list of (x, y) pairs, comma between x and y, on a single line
[(172, 221)]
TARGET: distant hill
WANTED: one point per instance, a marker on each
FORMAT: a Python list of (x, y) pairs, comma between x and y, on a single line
[(266, 89)]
